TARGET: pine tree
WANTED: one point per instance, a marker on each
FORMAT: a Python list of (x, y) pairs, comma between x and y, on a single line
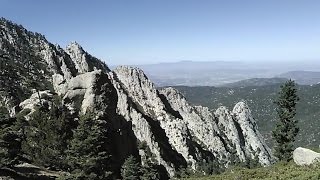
[(10, 140), (130, 169), (149, 172), (287, 127), (47, 136), (88, 155), (9, 76)]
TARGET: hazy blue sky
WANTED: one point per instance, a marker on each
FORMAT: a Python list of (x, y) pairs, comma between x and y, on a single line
[(149, 31)]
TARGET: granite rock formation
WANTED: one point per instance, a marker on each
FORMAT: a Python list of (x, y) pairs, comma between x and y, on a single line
[(173, 133)]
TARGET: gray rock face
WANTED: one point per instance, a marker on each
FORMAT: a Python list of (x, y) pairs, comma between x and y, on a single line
[(160, 126), (35, 100), (200, 122), (139, 102), (222, 132), (58, 62), (254, 144), (88, 91), (193, 132), (303, 156), (83, 61)]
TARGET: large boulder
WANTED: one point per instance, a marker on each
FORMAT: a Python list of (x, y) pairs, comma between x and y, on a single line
[(303, 156)]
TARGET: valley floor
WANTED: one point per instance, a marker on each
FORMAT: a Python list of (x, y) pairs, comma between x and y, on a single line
[(277, 171)]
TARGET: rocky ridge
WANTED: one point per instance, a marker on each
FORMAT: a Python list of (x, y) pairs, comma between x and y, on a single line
[(223, 131), (175, 133)]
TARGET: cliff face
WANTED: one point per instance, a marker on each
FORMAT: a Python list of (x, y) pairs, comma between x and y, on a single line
[(173, 132), (225, 133)]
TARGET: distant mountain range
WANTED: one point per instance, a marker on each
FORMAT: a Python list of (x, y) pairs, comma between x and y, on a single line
[(302, 77), (221, 73)]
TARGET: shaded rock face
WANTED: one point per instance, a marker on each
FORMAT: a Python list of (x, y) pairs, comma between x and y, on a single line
[(304, 156), (223, 133), (138, 103), (160, 126)]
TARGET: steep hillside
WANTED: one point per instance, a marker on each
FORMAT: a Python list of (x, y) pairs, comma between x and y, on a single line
[(260, 100), (126, 113)]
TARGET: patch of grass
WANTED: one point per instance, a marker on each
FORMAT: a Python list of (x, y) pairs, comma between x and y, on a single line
[(316, 149), (277, 171)]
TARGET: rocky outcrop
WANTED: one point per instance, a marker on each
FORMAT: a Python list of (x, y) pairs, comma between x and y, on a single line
[(193, 132), (85, 91), (33, 59), (160, 126), (37, 58), (83, 61), (58, 62), (35, 100), (139, 103), (223, 133), (253, 145), (304, 156), (200, 122)]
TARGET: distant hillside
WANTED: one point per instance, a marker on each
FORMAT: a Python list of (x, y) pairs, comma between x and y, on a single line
[(256, 82), (260, 100), (302, 77)]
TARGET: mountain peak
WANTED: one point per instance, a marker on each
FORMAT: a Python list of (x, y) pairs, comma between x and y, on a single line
[(84, 62), (74, 46), (240, 106)]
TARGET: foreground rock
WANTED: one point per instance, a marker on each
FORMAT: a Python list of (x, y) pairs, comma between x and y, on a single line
[(304, 156)]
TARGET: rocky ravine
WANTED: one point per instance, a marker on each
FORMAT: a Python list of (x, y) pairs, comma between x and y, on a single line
[(175, 133)]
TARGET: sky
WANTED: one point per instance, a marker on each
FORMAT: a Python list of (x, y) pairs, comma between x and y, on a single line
[(153, 31)]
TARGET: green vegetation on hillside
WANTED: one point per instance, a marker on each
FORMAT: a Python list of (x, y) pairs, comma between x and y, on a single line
[(88, 155), (46, 136), (10, 140), (277, 171), (52, 138)]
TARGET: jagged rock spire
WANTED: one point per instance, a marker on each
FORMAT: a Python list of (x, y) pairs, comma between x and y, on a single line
[(84, 62)]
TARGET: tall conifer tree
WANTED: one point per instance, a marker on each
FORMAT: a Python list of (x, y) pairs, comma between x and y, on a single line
[(287, 126)]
